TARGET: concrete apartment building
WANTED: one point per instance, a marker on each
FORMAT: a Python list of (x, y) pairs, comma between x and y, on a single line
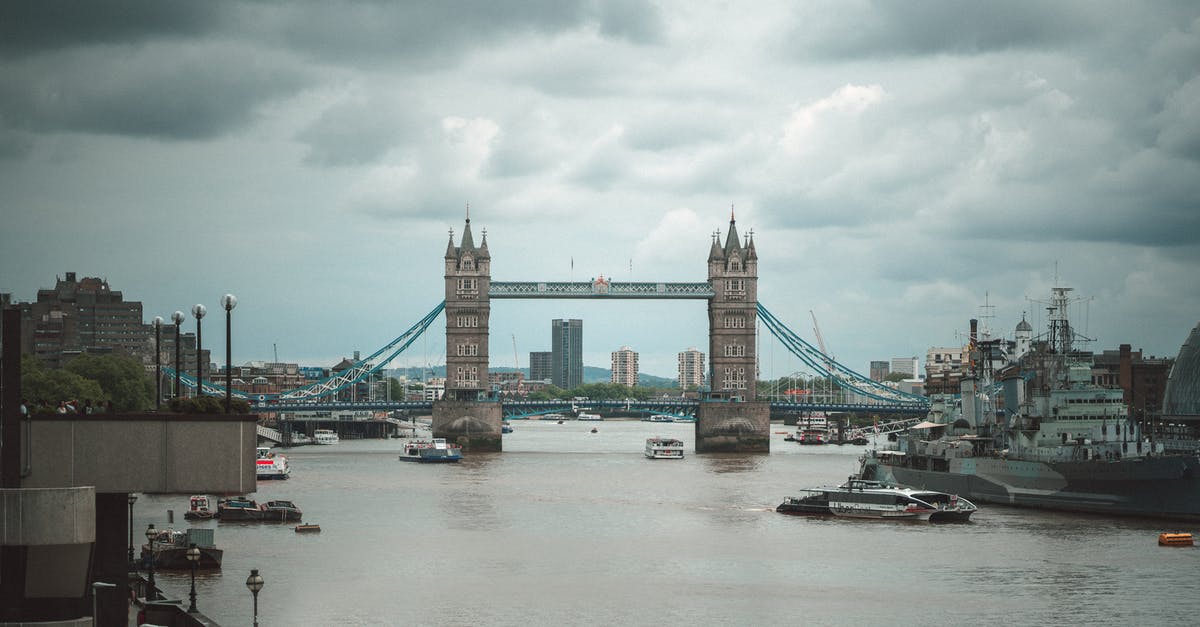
[(625, 367), (541, 366), (879, 370), (910, 366), (691, 369)]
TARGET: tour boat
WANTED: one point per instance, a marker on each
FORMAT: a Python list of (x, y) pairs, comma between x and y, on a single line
[(199, 508), (434, 450), (586, 416), (812, 436), (661, 418), (859, 498), (271, 465), (664, 448), (325, 436)]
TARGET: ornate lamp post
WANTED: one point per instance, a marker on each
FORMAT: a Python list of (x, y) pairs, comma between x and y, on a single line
[(193, 555), (151, 590), (132, 499), (229, 301), (177, 318), (255, 583), (198, 311), (158, 362)]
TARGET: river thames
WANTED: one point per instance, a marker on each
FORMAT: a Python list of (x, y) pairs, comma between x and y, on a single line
[(571, 527)]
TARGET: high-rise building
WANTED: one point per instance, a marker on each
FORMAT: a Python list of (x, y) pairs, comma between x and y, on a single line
[(691, 369), (540, 366), (733, 274), (625, 367), (908, 365), (879, 370), (566, 353)]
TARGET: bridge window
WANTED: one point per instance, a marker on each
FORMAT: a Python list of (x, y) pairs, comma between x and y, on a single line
[(735, 322), (468, 350), (734, 379), (468, 263), (735, 350), (467, 322), (735, 264), (735, 288), (468, 288)]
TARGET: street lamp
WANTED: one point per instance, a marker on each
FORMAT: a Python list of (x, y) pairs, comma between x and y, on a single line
[(158, 362), (151, 590), (177, 318), (255, 583), (132, 499), (193, 555), (229, 301), (198, 311)]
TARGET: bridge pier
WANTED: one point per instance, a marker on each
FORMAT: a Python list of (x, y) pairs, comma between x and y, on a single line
[(733, 427), (475, 425)]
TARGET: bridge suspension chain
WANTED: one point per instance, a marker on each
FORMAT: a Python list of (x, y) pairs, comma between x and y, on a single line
[(820, 362)]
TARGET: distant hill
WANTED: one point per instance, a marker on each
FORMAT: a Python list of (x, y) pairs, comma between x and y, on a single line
[(591, 374)]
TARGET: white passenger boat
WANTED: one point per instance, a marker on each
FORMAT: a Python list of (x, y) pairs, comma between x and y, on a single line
[(271, 465), (430, 450), (325, 436), (664, 448), (661, 418), (586, 416), (859, 498)]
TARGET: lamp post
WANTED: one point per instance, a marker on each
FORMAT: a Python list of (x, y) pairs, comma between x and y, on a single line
[(255, 583), (229, 301), (158, 362), (193, 555), (151, 590), (177, 318), (198, 311), (132, 499)]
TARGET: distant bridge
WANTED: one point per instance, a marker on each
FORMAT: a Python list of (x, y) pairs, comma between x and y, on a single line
[(521, 409)]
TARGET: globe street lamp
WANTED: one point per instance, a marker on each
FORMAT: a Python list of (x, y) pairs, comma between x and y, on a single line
[(193, 555), (132, 499), (177, 318), (151, 590), (158, 362), (198, 311), (255, 583), (229, 301)]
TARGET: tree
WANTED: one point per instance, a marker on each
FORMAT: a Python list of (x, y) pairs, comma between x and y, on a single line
[(46, 388), (122, 378)]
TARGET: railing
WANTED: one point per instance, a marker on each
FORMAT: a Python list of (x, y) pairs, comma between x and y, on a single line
[(598, 289)]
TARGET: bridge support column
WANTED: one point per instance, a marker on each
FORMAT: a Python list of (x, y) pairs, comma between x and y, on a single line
[(473, 424), (733, 427)]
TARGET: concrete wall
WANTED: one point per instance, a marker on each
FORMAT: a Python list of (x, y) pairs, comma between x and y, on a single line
[(729, 427), (46, 543), (474, 425), (156, 453)]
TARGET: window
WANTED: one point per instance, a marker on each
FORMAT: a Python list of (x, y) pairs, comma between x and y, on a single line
[(466, 322), (468, 288), (735, 289), (735, 322), (468, 350), (735, 350), (468, 263)]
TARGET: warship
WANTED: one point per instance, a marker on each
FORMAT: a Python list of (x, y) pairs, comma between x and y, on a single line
[(1036, 431)]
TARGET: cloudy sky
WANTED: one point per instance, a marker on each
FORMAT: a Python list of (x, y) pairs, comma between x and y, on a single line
[(900, 163)]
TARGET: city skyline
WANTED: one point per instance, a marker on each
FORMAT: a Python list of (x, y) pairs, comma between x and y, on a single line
[(903, 168)]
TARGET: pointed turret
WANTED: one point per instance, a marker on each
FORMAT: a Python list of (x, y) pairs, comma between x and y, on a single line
[(751, 254), (714, 253), (468, 242), (483, 249), (451, 251), (732, 242)]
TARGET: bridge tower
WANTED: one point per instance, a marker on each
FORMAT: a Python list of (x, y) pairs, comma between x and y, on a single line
[(732, 419), (466, 414)]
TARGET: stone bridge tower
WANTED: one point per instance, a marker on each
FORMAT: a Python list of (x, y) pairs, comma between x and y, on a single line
[(466, 414), (732, 419)]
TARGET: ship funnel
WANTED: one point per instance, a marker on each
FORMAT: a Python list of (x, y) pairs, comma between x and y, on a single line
[(971, 403)]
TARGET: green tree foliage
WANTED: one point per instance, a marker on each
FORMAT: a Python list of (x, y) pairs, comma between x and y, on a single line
[(208, 405), (122, 378), (46, 388)]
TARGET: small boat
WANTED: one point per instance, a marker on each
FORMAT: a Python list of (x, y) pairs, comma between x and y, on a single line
[(659, 418), (199, 508), (505, 427), (432, 450), (595, 430), (664, 448), (168, 550), (860, 498), (308, 528), (325, 436), (271, 465), (586, 416), (238, 508)]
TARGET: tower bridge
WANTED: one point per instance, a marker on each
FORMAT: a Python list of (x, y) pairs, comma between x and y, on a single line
[(730, 417)]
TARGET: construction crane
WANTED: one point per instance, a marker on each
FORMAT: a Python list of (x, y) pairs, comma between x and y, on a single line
[(821, 344), (516, 360)]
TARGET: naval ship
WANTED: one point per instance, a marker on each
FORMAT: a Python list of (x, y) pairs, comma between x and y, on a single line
[(1037, 432)]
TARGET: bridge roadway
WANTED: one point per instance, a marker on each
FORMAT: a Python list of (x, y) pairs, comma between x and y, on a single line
[(520, 409)]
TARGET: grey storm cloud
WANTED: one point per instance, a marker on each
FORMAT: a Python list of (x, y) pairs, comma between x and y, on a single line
[(28, 28)]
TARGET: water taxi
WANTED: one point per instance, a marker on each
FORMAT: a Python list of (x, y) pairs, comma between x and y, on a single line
[(664, 448), (271, 465), (325, 436), (859, 498), (432, 450)]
